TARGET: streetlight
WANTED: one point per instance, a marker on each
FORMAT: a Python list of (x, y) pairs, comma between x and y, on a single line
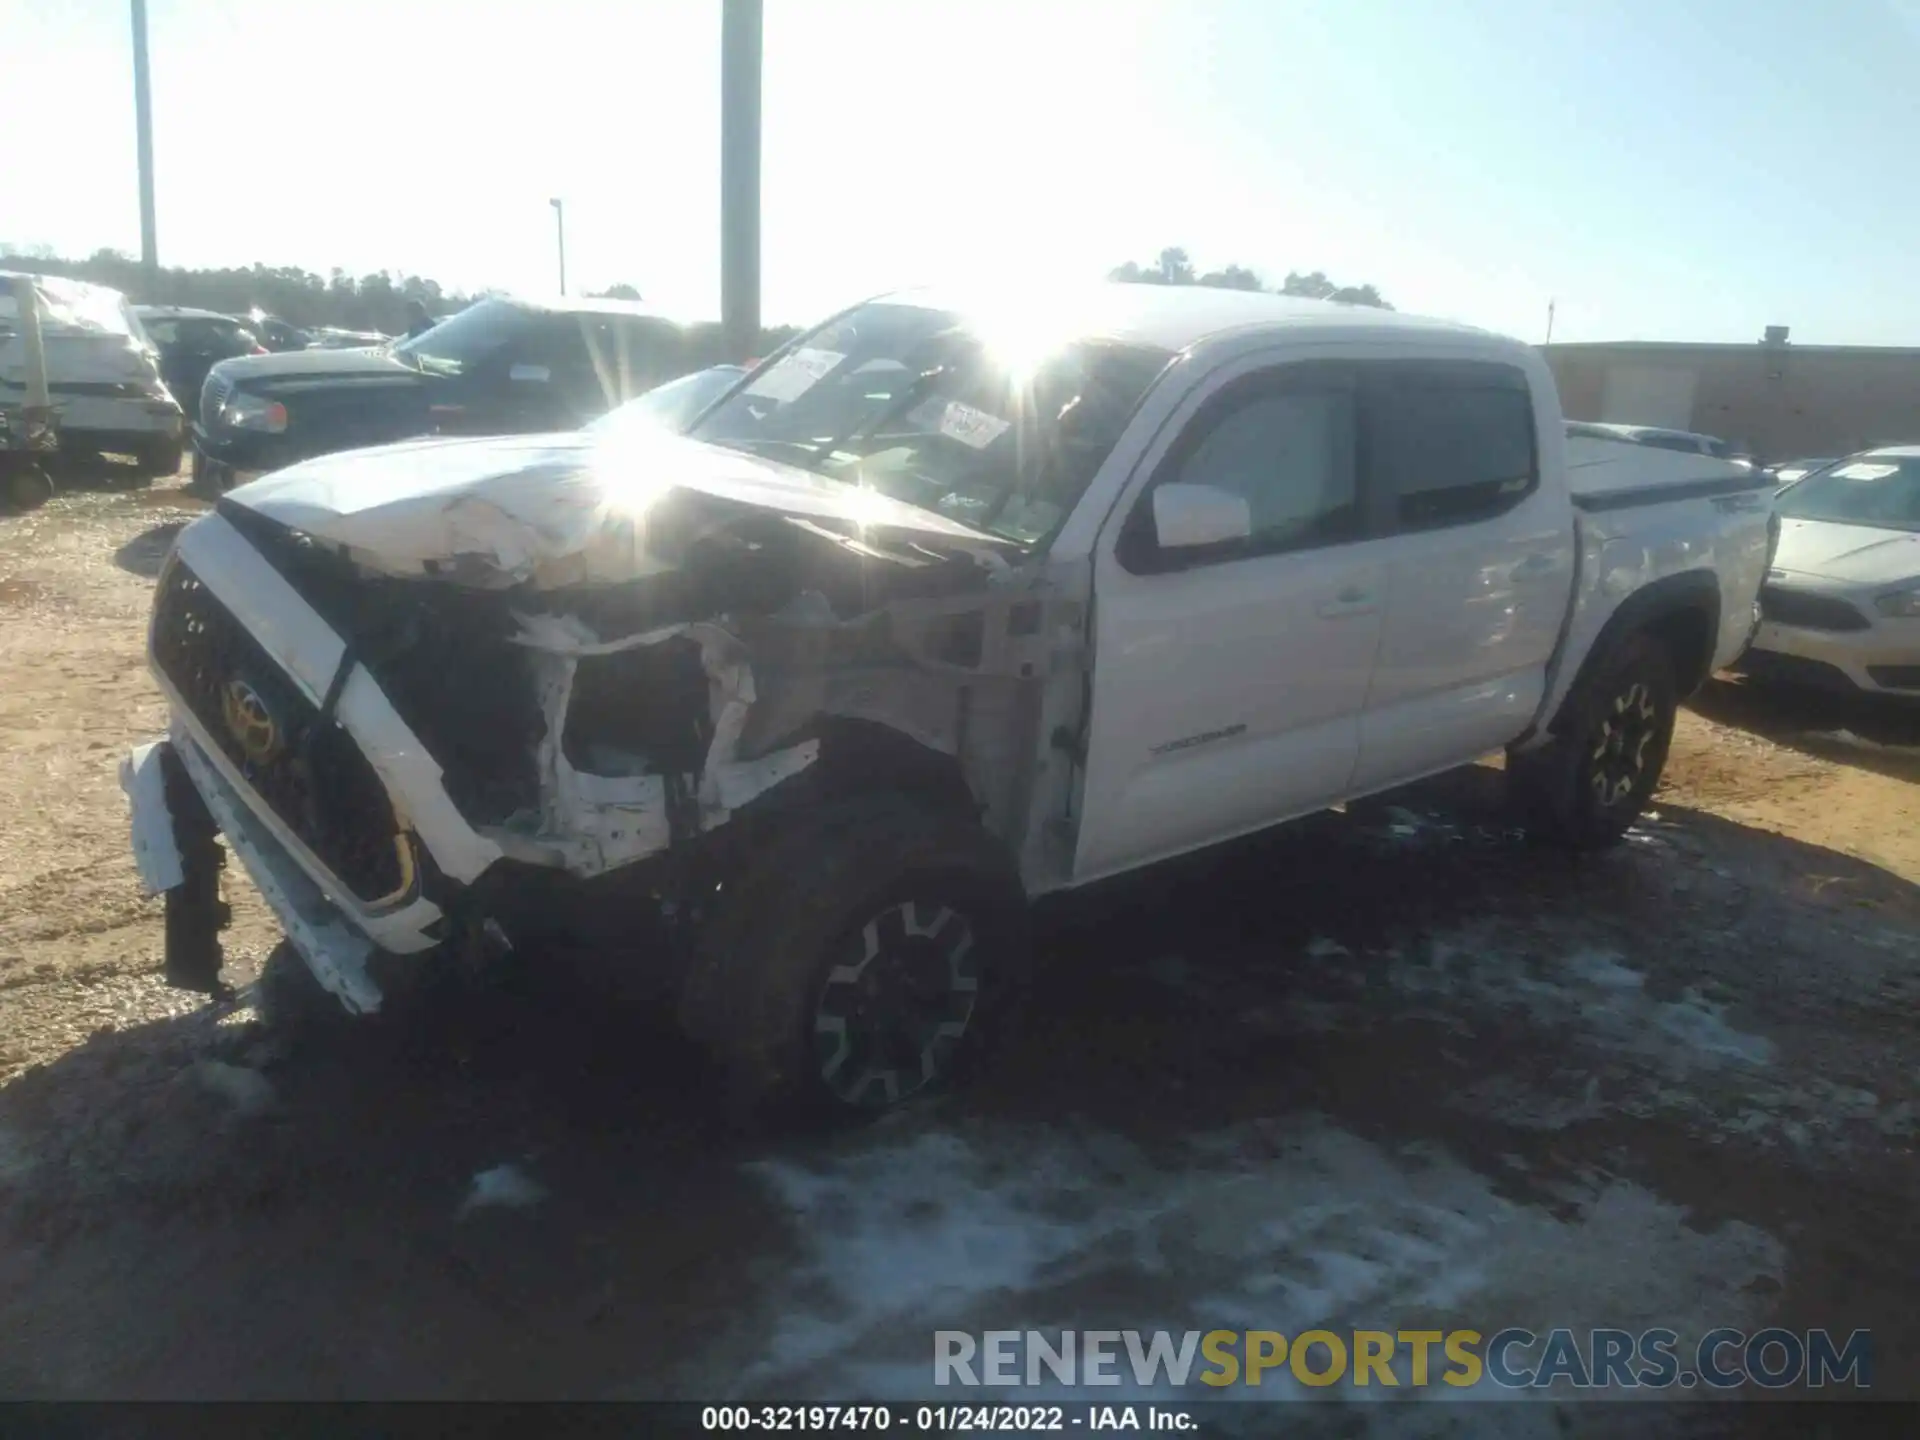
[(560, 235)]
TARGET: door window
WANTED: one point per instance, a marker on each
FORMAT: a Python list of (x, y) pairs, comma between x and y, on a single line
[(1451, 443), (1282, 442)]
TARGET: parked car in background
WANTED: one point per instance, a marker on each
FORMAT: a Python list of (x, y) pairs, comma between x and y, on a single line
[(1794, 470), (276, 334), (327, 337), (1841, 606), (674, 405), (29, 436), (499, 367), (103, 376), (192, 342), (951, 604), (1685, 441)]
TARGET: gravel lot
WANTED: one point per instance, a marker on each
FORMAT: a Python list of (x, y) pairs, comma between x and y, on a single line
[(1391, 1067)]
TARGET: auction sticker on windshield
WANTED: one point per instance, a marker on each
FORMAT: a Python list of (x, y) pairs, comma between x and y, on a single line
[(1865, 470), (795, 374), (960, 422)]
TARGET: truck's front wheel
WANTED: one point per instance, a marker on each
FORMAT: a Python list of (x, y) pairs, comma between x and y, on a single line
[(860, 959), (1593, 780)]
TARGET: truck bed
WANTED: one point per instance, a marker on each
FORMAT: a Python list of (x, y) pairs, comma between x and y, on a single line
[(1613, 474)]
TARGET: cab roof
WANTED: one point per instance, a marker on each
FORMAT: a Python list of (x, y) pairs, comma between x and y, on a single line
[(1177, 317)]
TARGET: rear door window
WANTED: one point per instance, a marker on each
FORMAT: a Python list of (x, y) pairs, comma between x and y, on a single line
[(1449, 443)]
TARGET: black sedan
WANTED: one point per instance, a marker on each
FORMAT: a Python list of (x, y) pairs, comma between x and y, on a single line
[(192, 342), (499, 367)]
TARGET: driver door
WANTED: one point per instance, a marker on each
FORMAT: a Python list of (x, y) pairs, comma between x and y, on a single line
[(1229, 680)]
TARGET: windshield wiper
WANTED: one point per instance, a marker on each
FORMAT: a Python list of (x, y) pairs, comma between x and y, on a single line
[(898, 406)]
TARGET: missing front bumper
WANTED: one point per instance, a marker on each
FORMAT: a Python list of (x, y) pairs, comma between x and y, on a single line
[(177, 851), (180, 804)]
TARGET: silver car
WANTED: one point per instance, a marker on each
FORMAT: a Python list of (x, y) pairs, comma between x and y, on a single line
[(1841, 605)]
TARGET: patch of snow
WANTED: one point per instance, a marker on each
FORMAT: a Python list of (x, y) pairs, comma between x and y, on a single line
[(247, 1090), (504, 1187), (1583, 989), (1274, 1225)]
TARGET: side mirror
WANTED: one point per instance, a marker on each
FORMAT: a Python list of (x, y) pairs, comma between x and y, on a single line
[(1185, 516)]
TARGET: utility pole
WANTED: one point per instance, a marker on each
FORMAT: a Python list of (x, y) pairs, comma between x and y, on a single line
[(143, 130), (740, 177), (560, 236), (1549, 339)]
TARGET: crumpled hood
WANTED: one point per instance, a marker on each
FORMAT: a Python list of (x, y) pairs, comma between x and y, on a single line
[(553, 510), (1852, 554)]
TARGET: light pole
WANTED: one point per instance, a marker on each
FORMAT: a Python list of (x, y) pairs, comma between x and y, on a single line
[(560, 236), (740, 177), (143, 134)]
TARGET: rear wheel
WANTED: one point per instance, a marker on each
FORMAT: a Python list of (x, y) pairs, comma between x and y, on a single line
[(868, 956), (157, 460), (1594, 779), (24, 486)]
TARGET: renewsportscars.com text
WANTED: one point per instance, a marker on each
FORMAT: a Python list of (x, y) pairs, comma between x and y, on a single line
[(1511, 1358)]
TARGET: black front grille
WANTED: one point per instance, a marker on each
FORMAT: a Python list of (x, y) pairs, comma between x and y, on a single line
[(1808, 609), (309, 772), (213, 395)]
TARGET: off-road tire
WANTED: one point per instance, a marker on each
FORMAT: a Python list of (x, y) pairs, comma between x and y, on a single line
[(862, 890), (1588, 785)]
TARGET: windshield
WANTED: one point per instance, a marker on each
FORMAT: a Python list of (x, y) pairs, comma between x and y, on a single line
[(1795, 469), (916, 403), (674, 405), (462, 341), (1879, 490)]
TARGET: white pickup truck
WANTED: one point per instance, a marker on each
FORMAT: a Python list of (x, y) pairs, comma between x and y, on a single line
[(948, 605)]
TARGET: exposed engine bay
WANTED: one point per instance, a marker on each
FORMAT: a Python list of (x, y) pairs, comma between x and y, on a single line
[(749, 659)]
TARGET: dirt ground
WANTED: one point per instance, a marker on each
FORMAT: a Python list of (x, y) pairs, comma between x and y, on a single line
[(1387, 1067)]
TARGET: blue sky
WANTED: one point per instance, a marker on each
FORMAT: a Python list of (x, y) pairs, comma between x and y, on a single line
[(1665, 171)]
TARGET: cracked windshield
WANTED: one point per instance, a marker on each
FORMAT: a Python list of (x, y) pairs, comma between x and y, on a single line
[(832, 715)]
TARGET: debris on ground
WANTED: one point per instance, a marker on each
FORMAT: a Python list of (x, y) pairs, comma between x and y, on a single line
[(504, 1187)]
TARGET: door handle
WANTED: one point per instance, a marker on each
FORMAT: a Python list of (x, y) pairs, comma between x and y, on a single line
[(1350, 601)]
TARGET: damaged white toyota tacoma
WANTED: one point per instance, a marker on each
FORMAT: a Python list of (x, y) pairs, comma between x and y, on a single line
[(944, 607)]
